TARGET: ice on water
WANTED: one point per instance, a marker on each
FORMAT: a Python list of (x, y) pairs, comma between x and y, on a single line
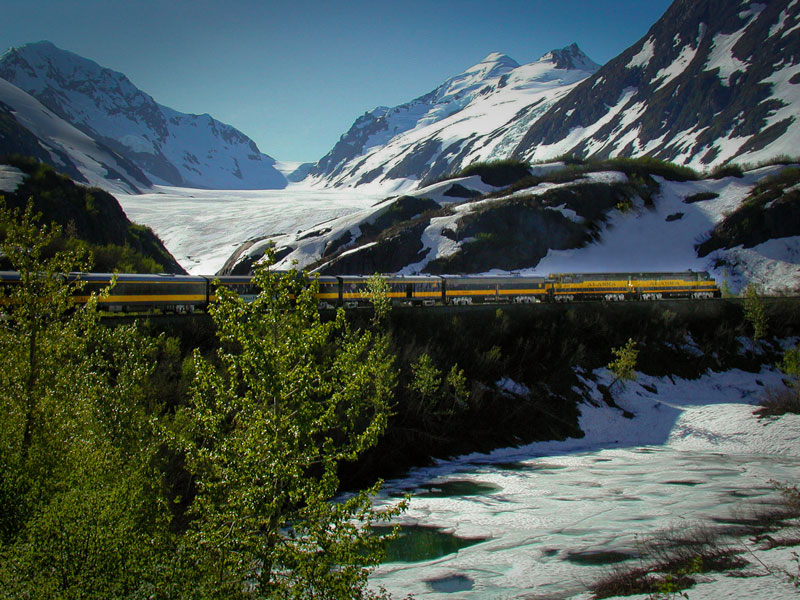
[(563, 512)]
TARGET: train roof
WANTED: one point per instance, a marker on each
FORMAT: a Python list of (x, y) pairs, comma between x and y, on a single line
[(635, 275), (393, 278), (138, 277), (106, 277), (511, 277)]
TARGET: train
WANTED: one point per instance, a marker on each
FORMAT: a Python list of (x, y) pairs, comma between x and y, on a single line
[(186, 293)]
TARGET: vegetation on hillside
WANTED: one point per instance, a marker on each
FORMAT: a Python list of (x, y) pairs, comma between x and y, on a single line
[(497, 173), (771, 210), (513, 175), (115, 485), (91, 221)]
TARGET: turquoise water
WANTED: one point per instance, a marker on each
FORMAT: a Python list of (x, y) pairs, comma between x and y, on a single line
[(418, 543)]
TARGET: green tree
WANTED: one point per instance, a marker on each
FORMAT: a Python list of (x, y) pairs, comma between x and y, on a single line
[(624, 365), (754, 312), (791, 366), (427, 378), (80, 517), (457, 385), (288, 398), (725, 288), (436, 397), (378, 292)]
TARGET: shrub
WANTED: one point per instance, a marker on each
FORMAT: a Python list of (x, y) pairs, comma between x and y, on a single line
[(498, 173), (779, 401), (700, 196), (781, 159), (754, 312), (624, 365), (668, 560), (625, 205), (569, 159), (726, 170), (646, 165)]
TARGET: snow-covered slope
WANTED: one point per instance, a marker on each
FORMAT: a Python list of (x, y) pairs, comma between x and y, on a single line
[(171, 147), (480, 114), (48, 137), (710, 82), (601, 221)]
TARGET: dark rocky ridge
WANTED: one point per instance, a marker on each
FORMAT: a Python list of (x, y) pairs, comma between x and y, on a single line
[(518, 232)]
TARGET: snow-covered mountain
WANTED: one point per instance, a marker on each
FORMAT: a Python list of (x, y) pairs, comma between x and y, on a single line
[(710, 82), (170, 147), (29, 128), (480, 114)]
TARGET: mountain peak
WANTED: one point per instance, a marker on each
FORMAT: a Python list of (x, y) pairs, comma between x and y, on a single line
[(43, 45), (44, 48), (494, 65), (170, 147), (499, 59), (570, 57)]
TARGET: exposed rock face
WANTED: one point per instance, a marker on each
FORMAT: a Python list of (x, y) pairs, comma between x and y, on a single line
[(711, 81), (517, 232), (390, 255), (171, 147)]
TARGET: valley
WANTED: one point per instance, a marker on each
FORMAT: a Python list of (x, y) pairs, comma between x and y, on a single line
[(544, 448)]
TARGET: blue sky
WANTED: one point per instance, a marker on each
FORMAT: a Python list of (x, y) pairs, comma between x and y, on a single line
[(294, 75)]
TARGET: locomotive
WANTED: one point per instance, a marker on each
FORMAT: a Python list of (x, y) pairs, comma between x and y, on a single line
[(185, 293)]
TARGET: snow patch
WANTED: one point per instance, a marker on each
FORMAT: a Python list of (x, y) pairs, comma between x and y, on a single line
[(10, 178), (677, 67), (690, 452), (642, 58), (773, 266), (511, 387), (721, 56), (137, 143)]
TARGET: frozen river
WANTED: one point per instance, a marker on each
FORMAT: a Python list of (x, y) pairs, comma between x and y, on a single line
[(545, 520), (554, 523)]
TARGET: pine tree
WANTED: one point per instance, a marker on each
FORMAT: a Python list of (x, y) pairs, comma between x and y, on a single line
[(624, 365), (754, 312)]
